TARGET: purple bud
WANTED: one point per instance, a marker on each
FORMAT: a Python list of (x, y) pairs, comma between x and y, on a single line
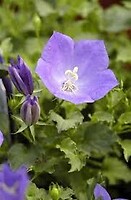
[(30, 110), (21, 76)]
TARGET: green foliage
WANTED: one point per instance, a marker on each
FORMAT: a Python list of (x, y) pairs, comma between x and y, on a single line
[(76, 158), (34, 193), (27, 158), (95, 139), (65, 124), (126, 145), (116, 170)]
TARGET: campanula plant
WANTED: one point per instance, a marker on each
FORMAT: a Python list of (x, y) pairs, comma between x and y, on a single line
[(68, 122)]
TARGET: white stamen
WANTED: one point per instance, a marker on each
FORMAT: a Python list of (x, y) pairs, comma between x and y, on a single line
[(71, 77)]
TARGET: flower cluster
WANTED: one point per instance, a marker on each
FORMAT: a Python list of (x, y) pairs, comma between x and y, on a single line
[(22, 79)]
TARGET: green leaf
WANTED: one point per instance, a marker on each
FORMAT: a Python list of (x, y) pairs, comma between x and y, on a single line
[(22, 128), (43, 8), (32, 132), (19, 155), (115, 97), (78, 181), (6, 46), (126, 145), (116, 19), (45, 164), (125, 118), (66, 193), (124, 54), (76, 158), (65, 124), (34, 193), (115, 170), (95, 138), (102, 116)]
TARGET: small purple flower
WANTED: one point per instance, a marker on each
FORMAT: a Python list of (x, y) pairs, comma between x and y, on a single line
[(101, 193), (30, 110), (76, 71), (21, 76), (13, 184), (1, 138)]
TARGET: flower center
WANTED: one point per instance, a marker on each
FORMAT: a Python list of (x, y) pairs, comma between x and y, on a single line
[(71, 78)]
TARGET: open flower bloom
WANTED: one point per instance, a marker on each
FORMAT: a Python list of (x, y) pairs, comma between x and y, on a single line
[(21, 76), (101, 193), (13, 183), (1, 138), (75, 71)]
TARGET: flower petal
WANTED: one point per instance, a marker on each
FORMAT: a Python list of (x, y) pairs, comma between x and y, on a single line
[(51, 81), (100, 191), (59, 52), (99, 85), (90, 56), (25, 75)]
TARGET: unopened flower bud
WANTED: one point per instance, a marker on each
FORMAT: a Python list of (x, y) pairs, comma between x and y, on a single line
[(54, 192), (30, 110), (37, 23), (21, 76)]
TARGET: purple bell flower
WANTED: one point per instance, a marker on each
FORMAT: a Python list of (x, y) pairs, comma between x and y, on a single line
[(21, 76), (30, 110), (1, 138), (13, 184), (101, 193), (76, 71)]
